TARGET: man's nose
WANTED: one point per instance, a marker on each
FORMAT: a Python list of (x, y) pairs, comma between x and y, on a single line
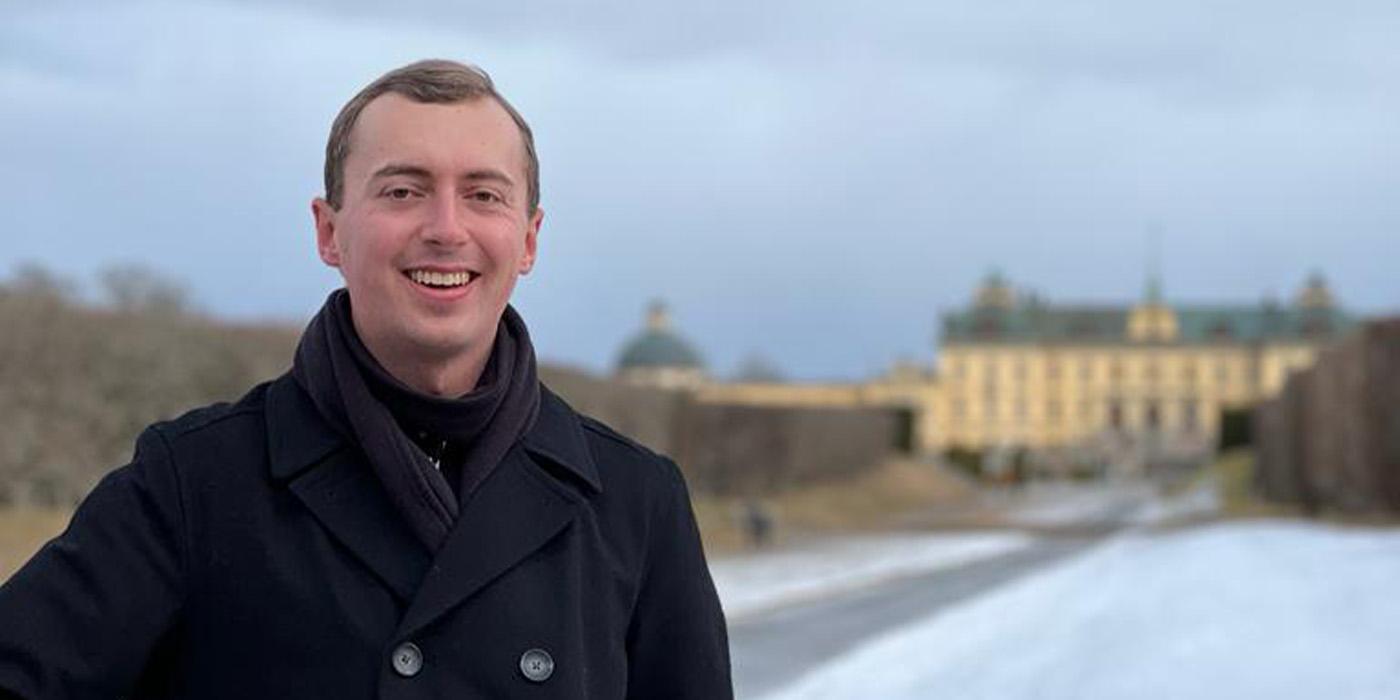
[(447, 223)]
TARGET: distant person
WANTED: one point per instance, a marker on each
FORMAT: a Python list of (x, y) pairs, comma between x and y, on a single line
[(757, 522), (407, 513)]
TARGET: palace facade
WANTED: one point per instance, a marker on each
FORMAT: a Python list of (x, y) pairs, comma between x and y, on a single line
[(1015, 370)]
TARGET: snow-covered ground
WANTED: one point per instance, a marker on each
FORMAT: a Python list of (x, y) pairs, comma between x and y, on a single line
[(1066, 504), (1198, 502), (755, 583), (1266, 609)]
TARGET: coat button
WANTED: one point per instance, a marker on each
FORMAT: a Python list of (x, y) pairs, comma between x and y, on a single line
[(408, 659), (537, 665)]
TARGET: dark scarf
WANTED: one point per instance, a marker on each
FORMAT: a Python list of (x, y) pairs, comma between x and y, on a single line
[(373, 409)]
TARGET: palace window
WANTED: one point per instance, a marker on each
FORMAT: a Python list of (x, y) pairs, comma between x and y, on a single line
[(1152, 416), (1149, 371), (1190, 421)]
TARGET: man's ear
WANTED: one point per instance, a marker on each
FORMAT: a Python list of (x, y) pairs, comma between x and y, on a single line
[(324, 215), (532, 235)]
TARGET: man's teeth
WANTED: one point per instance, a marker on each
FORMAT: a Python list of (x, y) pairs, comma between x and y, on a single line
[(440, 279)]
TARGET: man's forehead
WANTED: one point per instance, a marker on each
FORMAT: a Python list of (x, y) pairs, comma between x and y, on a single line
[(393, 122)]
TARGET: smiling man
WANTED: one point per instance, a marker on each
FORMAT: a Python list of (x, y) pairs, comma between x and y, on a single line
[(407, 513)]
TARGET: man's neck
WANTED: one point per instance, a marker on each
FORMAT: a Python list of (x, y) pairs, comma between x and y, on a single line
[(435, 375)]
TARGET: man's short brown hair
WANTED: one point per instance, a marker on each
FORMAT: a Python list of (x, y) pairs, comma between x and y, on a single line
[(433, 82)]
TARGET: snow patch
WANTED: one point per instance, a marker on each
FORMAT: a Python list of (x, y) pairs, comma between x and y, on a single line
[(755, 583), (1067, 504), (1241, 610), (1201, 501)]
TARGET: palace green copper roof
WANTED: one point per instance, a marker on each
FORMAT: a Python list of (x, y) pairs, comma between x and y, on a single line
[(1037, 322), (658, 348)]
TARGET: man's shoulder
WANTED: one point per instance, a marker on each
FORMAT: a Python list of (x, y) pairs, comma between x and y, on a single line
[(205, 448), (617, 455), (609, 438)]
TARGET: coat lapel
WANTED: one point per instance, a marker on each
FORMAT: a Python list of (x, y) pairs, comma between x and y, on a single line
[(514, 512), (340, 490), (348, 500), (518, 509)]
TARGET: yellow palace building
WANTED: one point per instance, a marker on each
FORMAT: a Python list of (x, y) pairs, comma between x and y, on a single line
[(1017, 371)]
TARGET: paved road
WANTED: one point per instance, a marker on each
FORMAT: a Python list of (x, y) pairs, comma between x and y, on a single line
[(776, 648)]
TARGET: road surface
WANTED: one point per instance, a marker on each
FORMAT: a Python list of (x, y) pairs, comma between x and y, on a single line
[(771, 650)]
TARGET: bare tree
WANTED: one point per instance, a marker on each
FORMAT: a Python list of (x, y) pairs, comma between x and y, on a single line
[(34, 281), (135, 287)]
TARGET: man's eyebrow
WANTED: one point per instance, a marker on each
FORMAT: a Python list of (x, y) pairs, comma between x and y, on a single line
[(489, 174), (393, 169)]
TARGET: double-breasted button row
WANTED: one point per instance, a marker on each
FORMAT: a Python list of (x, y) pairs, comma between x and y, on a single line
[(536, 664)]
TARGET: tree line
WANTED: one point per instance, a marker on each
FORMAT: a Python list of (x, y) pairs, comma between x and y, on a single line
[(82, 375)]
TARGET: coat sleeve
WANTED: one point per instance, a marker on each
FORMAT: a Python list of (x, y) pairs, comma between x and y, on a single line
[(80, 619), (677, 644)]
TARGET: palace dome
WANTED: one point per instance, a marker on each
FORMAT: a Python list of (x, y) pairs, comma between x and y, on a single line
[(658, 346)]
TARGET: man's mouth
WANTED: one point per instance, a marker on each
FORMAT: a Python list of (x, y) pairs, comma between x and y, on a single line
[(442, 280)]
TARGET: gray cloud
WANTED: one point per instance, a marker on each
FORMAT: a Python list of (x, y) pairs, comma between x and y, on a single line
[(790, 175)]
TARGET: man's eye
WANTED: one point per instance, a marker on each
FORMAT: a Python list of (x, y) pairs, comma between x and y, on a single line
[(398, 193), (485, 197)]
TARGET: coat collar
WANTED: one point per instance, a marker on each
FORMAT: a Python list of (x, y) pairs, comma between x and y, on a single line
[(298, 438), (557, 436)]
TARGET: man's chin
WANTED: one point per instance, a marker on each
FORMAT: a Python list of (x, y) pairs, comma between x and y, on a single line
[(446, 343), (441, 346)]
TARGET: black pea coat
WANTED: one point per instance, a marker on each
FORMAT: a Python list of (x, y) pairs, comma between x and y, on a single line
[(249, 552)]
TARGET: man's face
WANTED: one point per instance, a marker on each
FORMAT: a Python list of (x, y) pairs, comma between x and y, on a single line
[(433, 228)]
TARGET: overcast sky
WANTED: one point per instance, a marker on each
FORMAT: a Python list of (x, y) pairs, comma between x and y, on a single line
[(811, 181)]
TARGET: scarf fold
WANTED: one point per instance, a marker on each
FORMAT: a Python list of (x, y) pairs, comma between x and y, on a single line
[(373, 409)]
